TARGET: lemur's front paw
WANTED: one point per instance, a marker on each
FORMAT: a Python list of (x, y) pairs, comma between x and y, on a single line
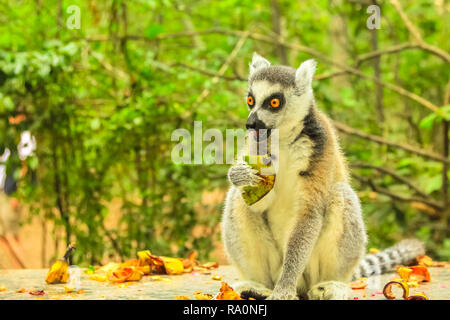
[(283, 295), (330, 290), (242, 174), (251, 289)]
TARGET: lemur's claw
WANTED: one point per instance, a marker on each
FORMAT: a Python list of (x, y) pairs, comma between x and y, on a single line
[(251, 289)]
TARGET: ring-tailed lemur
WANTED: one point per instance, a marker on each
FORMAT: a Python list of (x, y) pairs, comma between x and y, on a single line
[(306, 238)]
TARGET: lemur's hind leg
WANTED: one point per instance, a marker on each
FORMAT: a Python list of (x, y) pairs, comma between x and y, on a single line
[(254, 278), (345, 209)]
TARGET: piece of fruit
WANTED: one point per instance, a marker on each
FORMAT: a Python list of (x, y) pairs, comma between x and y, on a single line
[(37, 292), (202, 296), (68, 289), (144, 257), (58, 272), (108, 268), (144, 269), (172, 265), (420, 274), (424, 260), (359, 284), (418, 296), (123, 274), (262, 163), (401, 284), (99, 277), (227, 293), (404, 273)]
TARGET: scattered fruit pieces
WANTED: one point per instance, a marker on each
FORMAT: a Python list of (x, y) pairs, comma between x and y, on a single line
[(2, 288), (37, 292), (373, 250), (359, 284), (172, 266), (182, 298), (68, 289), (227, 293), (21, 290), (217, 277), (202, 296)]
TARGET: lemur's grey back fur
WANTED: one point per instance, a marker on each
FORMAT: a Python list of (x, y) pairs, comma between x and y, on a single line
[(402, 253)]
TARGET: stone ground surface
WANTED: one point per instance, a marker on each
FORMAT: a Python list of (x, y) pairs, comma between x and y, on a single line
[(167, 287)]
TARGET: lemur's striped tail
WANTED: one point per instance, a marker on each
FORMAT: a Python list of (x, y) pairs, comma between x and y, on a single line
[(403, 252)]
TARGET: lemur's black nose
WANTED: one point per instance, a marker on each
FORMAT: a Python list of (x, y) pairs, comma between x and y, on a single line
[(253, 122)]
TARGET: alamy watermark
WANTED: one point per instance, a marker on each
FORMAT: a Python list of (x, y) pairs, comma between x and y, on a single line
[(74, 281), (373, 21), (191, 148), (74, 20)]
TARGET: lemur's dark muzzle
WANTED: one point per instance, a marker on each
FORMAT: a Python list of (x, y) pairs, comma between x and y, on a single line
[(261, 132), (254, 123)]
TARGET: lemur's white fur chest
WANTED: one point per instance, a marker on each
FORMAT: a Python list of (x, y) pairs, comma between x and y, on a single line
[(282, 205)]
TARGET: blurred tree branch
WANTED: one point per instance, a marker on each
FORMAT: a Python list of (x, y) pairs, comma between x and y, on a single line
[(392, 173), (351, 131), (416, 34), (395, 196), (293, 46), (222, 70)]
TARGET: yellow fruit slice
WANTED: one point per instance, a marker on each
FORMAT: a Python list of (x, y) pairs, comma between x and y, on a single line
[(262, 163)]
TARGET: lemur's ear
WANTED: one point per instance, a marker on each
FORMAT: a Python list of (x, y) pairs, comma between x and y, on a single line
[(257, 63), (305, 74)]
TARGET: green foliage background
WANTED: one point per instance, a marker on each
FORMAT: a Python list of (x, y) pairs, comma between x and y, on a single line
[(103, 107)]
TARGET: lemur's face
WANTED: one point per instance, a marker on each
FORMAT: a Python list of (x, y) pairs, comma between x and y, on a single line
[(277, 95)]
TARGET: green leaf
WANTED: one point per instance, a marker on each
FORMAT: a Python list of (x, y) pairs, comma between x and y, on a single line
[(33, 162), (433, 184), (428, 121), (95, 124), (154, 30)]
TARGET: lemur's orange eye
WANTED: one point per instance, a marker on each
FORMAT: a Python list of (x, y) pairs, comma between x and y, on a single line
[(275, 103), (250, 100)]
